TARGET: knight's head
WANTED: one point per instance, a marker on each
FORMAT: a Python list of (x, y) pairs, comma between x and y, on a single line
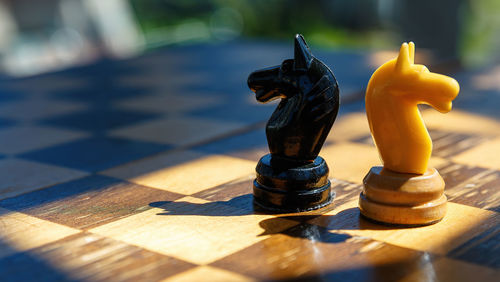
[(285, 80), (415, 83)]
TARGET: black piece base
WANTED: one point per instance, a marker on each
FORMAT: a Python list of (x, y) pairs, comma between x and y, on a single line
[(288, 186)]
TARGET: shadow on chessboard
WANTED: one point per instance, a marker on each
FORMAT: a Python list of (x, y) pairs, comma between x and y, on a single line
[(349, 219), (216, 208)]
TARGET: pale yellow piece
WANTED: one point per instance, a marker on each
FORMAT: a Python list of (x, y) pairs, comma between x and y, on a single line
[(461, 223), (208, 273), (392, 96), (21, 232), (191, 235), (184, 172)]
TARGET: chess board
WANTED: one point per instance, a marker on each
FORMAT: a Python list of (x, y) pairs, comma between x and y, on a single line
[(142, 170)]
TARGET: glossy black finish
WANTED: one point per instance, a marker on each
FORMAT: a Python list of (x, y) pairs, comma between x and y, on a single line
[(296, 131), (309, 103), (297, 188)]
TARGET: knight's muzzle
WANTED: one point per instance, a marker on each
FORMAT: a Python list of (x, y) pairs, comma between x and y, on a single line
[(264, 78)]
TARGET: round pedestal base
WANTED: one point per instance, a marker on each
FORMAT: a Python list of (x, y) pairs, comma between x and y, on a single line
[(428, 213), (399, 198), (283, 186)]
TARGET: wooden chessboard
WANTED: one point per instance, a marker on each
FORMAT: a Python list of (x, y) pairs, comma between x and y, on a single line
[(142, 170)]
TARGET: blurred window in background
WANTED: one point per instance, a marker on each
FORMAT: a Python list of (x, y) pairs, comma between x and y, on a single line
[(46, 35)]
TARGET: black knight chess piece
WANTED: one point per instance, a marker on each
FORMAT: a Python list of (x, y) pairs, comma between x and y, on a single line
[(293, 177)]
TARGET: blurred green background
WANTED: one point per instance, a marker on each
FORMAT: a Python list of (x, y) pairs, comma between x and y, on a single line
[(38, 36)]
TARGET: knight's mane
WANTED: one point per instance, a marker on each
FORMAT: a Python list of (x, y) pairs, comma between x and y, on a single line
[(379, 75), (322, 70), (323, 84)]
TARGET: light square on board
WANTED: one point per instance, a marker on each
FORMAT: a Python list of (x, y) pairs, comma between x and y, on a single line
[(183, 172), (21, 176), (181, 131), (192, 229), (350, 161), (20, 232), (484, 155), (23, 138), (202, 273), (459, 225)]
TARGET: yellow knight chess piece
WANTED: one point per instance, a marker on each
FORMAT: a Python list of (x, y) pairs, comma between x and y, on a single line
[(404, 190)]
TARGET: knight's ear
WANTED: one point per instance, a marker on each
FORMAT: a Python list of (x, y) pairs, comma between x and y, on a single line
[(403, 60), (411, 52), (302, 55)]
